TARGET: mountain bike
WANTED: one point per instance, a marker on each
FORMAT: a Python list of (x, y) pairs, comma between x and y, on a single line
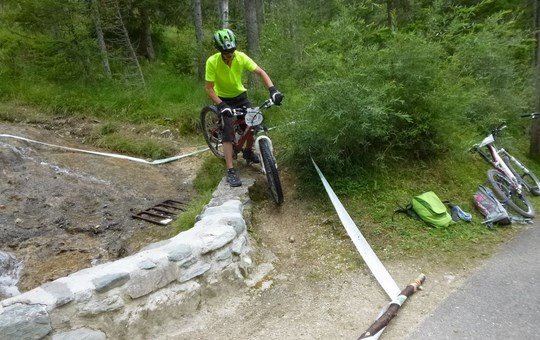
[(509, 176), (212, 124)]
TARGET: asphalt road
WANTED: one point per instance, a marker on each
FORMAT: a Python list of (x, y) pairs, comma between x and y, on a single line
[(500, 301)]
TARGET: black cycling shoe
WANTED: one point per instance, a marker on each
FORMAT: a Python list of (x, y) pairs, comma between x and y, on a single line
[(232, 178), (250, 156)]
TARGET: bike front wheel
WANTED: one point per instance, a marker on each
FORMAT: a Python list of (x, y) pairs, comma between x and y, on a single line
[(272, 175), (212, 130), (528, 179), (506, 192)]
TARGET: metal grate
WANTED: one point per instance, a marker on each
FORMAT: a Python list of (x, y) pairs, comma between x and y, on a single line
[(162, 213)]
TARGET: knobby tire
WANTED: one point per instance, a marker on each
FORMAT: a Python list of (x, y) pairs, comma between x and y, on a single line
[(272, 175), (503, 189), (212, 130), (528, 179)]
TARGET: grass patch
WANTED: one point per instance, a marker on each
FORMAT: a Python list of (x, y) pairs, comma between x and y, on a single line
[(372, 198), (188, 218), (172, 99), (206, 181), (136, 145), (12, 112)]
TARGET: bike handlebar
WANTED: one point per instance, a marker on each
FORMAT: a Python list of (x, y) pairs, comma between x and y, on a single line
[(241, 111), (532, 115), (499, 128)]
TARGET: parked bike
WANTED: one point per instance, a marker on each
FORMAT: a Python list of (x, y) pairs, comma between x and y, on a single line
[(509, 176), (212, 129)]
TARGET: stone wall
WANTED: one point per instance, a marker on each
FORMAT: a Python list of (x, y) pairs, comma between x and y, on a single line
[(167, 279)]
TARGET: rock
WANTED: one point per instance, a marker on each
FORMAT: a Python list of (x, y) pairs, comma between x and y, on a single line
[(216, 236), (20, 321), (60, 291), (80, 334), (179, 252), (10, 268), (110, 303), (146, 264), (146, 281), (110, 281), (195, 271), (239, 245), (245, 265)]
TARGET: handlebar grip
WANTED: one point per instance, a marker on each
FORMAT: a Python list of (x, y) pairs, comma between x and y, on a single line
[(532, 115)]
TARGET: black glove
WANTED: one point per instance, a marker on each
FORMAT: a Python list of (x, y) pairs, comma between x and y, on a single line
[(225, 110), (275, 95)]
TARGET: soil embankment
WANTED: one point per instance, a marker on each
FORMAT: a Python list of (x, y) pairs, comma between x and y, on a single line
[(62, 211)]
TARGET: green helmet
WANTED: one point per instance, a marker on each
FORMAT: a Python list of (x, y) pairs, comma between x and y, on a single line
[(224, 40)]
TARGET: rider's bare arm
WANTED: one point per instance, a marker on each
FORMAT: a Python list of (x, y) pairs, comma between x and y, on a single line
[(209, 88), (264, 76)]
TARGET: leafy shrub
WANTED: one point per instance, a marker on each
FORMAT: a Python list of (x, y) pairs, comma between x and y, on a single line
[(376, 112)]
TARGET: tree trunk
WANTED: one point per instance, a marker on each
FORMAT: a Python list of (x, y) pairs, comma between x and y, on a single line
[(101, 40), (224, 13), (199, 36), (534, 148), (147, 45), (250, 8), (251, 27), (260, 16)]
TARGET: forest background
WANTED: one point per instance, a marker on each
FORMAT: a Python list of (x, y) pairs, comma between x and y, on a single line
[(386, 95)]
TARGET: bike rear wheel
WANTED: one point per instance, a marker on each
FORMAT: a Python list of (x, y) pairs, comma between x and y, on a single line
[(212, 130), (528, 179), (508, 195), (272, 175)]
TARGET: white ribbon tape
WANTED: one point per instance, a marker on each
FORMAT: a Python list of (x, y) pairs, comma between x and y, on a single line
[(370, 258), (133, 159)]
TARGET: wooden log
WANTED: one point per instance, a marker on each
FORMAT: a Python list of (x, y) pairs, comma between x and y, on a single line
[(375, 330)]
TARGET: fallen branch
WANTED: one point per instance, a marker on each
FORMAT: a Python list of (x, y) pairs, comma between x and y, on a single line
[(376, 329)]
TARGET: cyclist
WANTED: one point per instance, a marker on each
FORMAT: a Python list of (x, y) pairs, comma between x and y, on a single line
[(224, 86)]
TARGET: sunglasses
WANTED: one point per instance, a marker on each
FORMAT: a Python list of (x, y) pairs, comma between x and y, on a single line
[(228, 52)]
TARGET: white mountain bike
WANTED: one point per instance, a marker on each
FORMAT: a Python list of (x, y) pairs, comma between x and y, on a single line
[(509, 178)]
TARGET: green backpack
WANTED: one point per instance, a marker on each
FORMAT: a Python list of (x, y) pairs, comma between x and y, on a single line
[(430, 209)]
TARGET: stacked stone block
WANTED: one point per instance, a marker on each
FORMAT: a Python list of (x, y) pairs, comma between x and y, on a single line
[(166, 279)]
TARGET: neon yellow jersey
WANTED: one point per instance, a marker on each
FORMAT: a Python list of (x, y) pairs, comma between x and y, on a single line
[(228, 80)]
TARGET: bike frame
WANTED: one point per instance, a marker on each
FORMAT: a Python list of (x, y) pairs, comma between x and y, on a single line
[(497, 162), (250, 132)]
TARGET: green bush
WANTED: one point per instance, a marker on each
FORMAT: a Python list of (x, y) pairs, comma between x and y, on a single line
[(405, 96), (376, 112)]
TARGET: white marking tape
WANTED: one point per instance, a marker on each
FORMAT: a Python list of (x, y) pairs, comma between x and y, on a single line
[(369, 256), (155, 162)]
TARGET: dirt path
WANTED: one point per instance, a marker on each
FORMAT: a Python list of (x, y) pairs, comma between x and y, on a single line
[(320, 289)]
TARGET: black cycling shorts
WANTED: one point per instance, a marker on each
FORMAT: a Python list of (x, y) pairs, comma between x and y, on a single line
[(228, 123)]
